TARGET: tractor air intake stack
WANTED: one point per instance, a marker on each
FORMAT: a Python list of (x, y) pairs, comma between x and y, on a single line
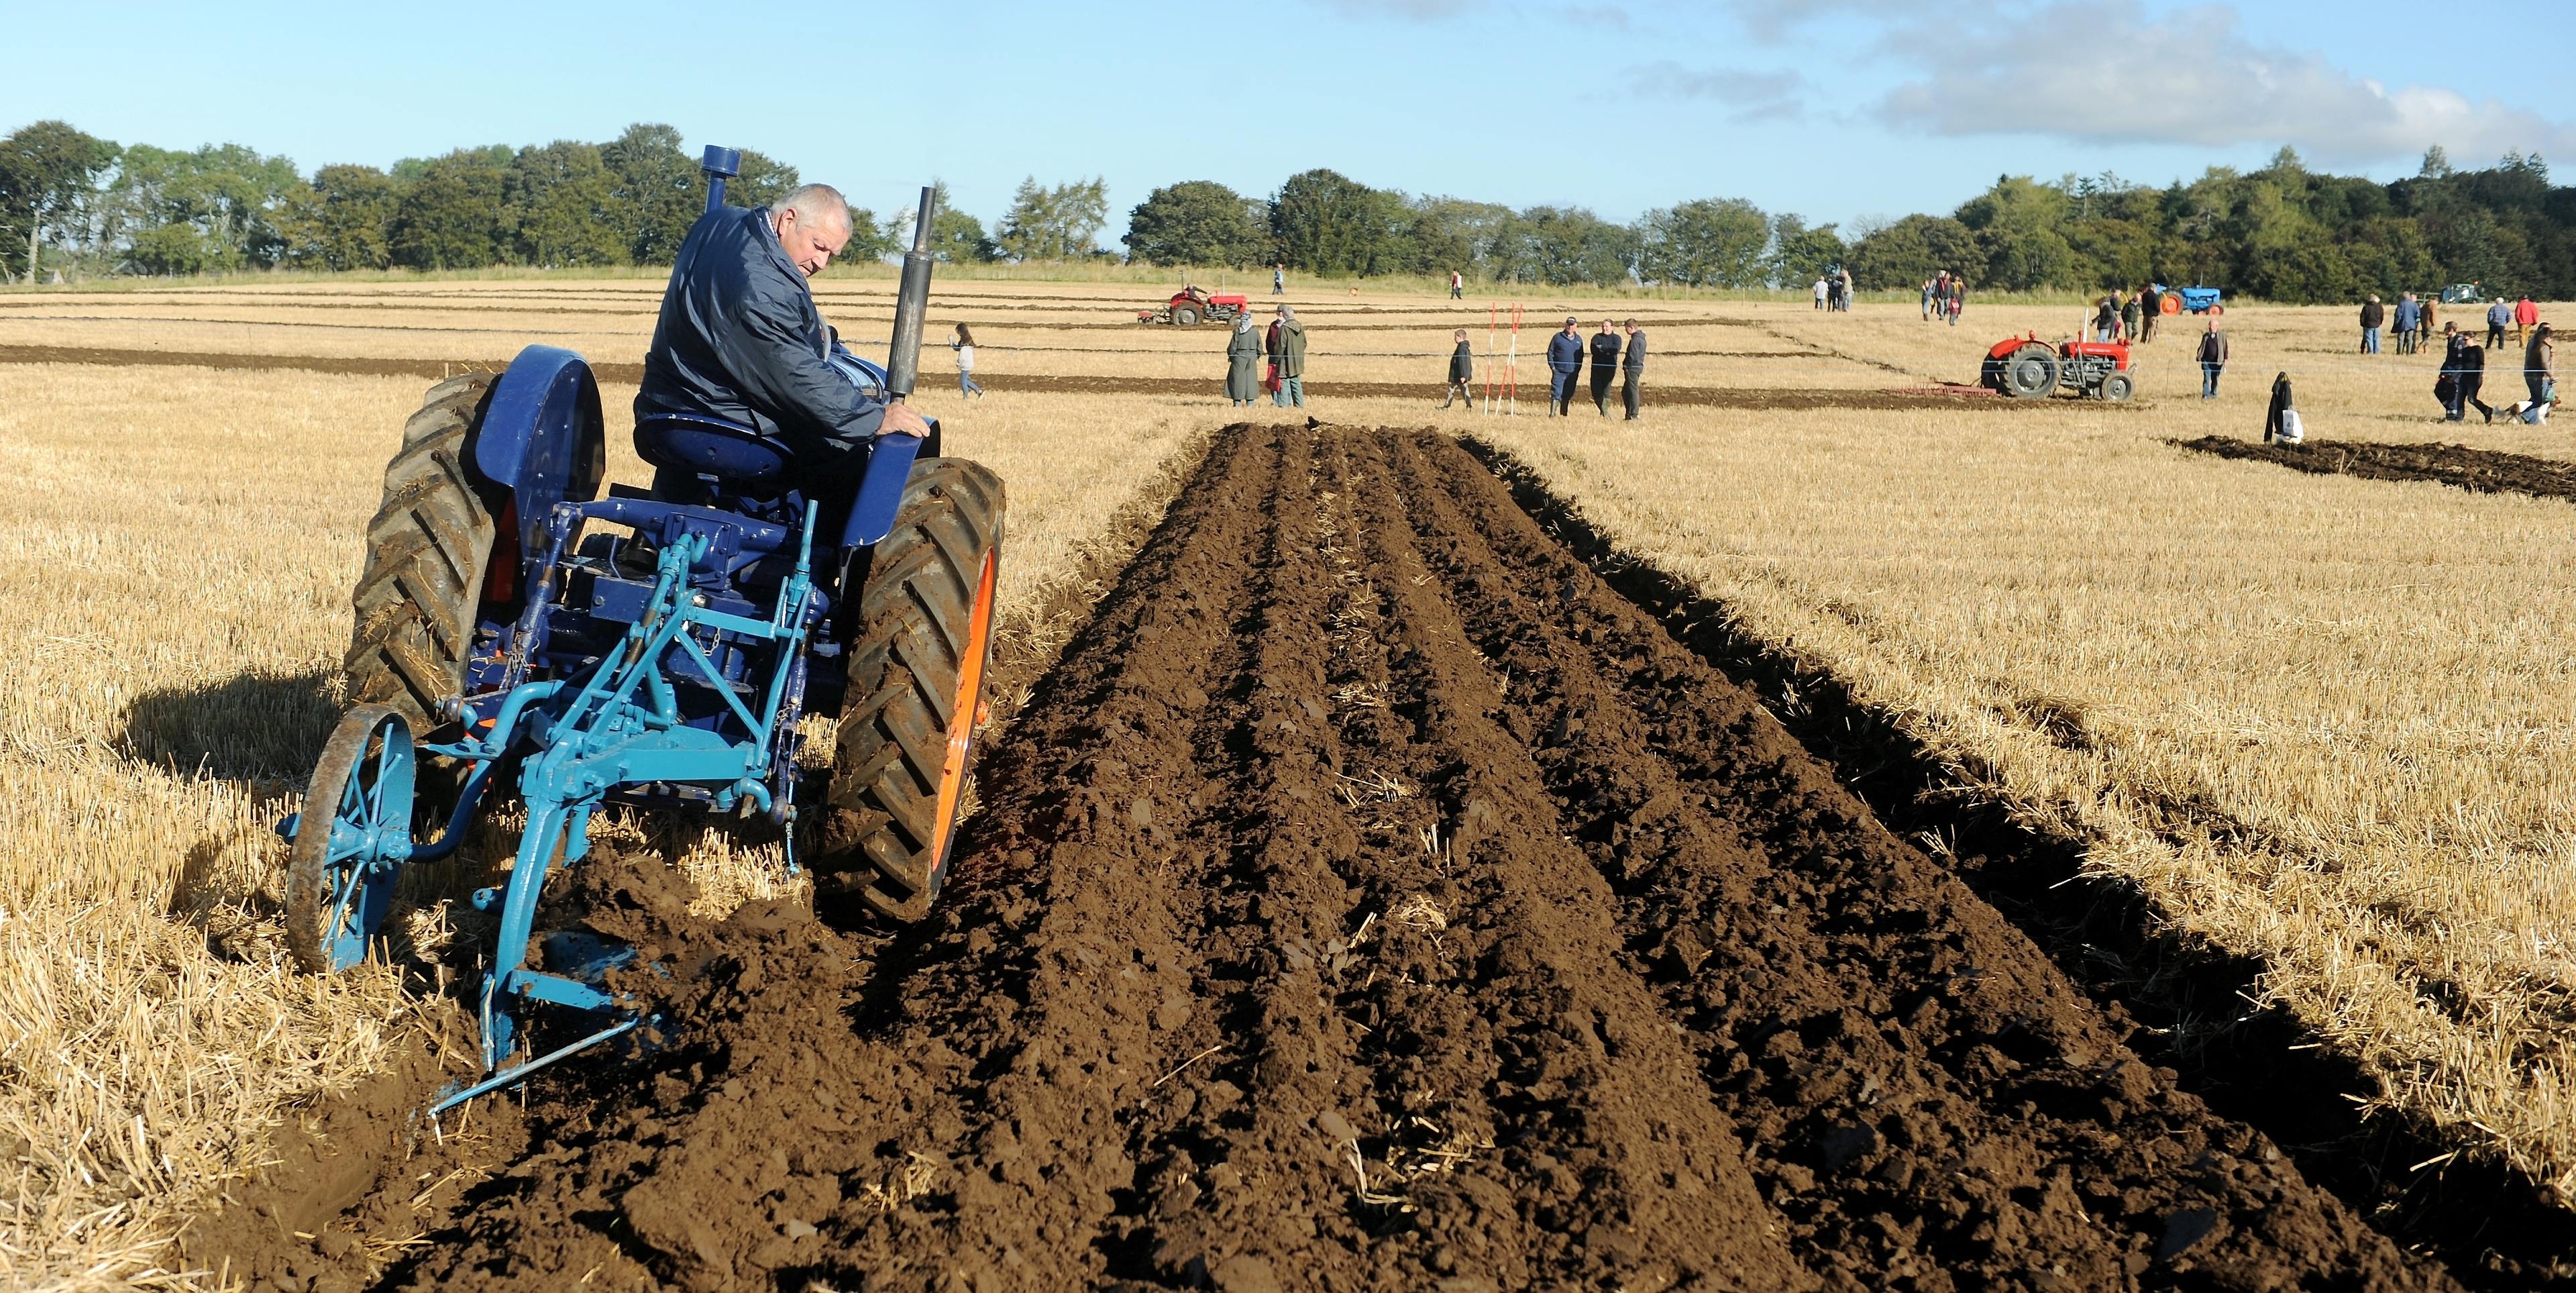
[(720, 164), (903, 366)]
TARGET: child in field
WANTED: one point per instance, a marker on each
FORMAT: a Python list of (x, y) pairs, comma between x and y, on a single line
[(1462, 371), (964, 345)]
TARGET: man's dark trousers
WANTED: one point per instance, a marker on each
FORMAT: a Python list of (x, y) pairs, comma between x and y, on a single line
[(1628, 393), (1561, 392), (1601, 388)]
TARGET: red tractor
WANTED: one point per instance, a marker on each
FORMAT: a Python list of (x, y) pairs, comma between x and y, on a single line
[(2028, 368), (1193, 304)]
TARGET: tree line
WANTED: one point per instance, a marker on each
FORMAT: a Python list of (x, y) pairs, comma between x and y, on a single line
[(69, 200)]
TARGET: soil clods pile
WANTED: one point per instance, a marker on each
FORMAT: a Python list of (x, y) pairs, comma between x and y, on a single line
[(1373, 899), (2487, 471)]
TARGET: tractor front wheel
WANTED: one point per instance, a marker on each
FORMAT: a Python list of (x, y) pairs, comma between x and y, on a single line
[(2117, 387), (427, 550), (2031, 372), (916, 690)]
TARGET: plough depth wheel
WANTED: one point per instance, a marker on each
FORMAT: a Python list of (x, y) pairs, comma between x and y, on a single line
[(350, 840)]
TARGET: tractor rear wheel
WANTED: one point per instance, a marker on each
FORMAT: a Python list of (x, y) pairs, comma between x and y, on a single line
[(427, 552), (1184, 316), (2031, 372), (916, 688)]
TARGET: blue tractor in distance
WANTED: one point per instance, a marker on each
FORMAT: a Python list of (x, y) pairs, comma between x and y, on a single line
[(656, 649)]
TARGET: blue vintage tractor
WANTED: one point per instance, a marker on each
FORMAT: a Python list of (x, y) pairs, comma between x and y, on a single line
[(518, 635)]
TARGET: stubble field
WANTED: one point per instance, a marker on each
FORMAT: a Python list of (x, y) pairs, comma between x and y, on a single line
[(2318, 721)]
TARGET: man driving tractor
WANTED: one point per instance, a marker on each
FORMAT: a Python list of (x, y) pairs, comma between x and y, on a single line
[(739, 338)]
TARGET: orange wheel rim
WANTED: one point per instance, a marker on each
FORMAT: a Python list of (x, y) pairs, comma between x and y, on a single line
[(963, 711)]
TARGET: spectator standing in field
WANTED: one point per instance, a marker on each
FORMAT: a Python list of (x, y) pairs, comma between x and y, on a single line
[(2466, 366), (2373, 314), (1958, 298), (2131, 320), (1244, 351), (1457, 286), (1928, 285), (2425, 324), (2525, 315), (2213, 359), (2151, 308), (964, 344), (1565, 366), (2106, 317), (1820, 293), (2539, 364), (1288, 352), (2410, 317), (1279, 279), (2498, 315), (1605, 366), (1633, 368), (1462, 373)]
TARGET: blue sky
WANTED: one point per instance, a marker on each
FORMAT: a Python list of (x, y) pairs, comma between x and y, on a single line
[(1835, 109)]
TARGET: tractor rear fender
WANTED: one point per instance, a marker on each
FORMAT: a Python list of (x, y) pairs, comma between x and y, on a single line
[(542, 438), (2004, 349), (881, 490)]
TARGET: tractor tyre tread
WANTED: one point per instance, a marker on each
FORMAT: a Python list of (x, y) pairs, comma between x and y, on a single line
[(427, 549), (907, 654)]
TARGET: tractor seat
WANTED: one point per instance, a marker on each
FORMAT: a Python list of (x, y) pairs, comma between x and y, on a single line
[(708, 446)]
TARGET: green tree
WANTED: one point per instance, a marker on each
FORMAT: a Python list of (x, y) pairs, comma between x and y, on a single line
[(214, 208), (1324, 222), (49, 175), (1800, 255), (1712, 242), (1912, 251), (560, 205), (454, 212), (955, 237), (1055, 224), (342, 219), (762, 182), (659, 191), (1196, 222)]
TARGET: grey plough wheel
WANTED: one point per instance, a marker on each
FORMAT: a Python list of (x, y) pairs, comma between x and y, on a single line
[(916, 690), (427, 550)]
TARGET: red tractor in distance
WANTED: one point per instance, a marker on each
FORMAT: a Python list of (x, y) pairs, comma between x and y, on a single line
[(2029, 368), (1192, 305)]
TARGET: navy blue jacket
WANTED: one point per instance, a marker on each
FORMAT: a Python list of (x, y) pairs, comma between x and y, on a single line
[(739, 339), (1605, 352), (1565, 353)]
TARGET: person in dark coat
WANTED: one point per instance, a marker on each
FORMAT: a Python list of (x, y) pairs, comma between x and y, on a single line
[(2129, 320), (2539, 364), (1462, 372), (1564, 367), (739, 339), (1633, 368), (2281, 421), (1287, 350), (2213, 359), (1244, 351), (1605, 366), (2466, 366), (2373, 316)]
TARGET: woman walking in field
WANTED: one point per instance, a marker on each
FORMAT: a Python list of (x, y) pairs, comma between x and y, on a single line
[(1243, 353), (964, 345)]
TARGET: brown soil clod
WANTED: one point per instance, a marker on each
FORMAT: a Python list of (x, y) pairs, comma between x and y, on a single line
[(1371, 897)]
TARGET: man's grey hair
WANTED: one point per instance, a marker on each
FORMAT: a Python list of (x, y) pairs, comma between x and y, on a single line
[(1288, 314), (815, 203)]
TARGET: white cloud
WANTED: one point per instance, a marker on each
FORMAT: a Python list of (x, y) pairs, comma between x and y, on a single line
[(2102, 71), (1756, 96)]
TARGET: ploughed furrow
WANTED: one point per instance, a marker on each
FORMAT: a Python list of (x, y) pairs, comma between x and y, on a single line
[(1371, 900), (1927, 1097)]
